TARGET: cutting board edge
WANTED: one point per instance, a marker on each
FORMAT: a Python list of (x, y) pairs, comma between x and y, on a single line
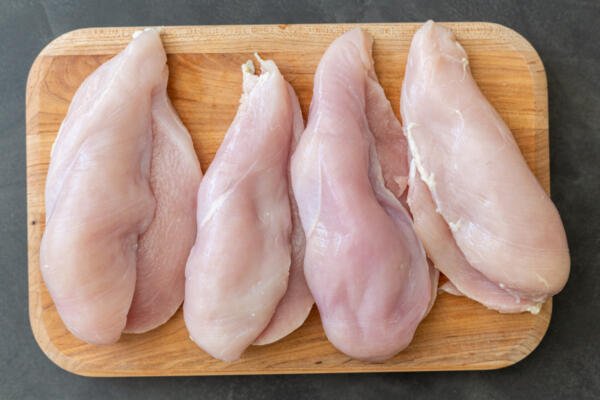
[(38, 327), (519, 351), (538, 74)]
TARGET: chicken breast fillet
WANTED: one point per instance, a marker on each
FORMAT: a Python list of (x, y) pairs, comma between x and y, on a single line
[(483, 217), (120, 157), (164, 247), (294, 307), (391, 145), (238, 269), (364, 263)]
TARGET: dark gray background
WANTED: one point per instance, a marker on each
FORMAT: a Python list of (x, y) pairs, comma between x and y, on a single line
[(566, 35)]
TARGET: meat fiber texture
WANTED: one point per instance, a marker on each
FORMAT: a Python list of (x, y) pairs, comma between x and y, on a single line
[(238, 271), (364, 264), (120, 189), (294, 307), (484, 219)]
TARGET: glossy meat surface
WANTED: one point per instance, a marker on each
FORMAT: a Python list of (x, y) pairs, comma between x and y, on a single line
[(482, 215), (364, 264), (238, 269), (294, 307), (104, 195)]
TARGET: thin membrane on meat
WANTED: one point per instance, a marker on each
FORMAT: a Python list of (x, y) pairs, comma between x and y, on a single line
[(483, 217)]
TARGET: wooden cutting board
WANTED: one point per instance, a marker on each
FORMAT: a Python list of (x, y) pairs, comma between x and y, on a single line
[(205, 86)]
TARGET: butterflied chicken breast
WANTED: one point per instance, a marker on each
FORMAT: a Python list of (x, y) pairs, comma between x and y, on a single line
[(483, 217), (106, 195), (364, 263), (294, 307), (238, 269)]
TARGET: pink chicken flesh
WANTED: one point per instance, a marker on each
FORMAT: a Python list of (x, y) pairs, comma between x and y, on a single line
[(121, 180), (238, 269), (294, 307), (364, 263), (392, 149), (484, 219)]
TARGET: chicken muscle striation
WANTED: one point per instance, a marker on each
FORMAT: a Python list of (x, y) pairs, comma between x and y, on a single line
[(294, 307), (364, 263), (120, 157), (483, 217), (238, 269)]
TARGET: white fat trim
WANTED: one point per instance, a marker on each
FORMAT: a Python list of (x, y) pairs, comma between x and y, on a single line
[(137, 33), (411, 170), (248, 67), (428, 179), (455, 226), (258, 58), (254, 80), (465, 63), (535, 309), (267, 67)]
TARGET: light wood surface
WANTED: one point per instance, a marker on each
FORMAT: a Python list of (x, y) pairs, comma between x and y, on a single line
[(205, 86)]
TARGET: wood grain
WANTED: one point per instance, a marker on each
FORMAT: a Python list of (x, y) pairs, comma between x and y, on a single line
[(205, 85)]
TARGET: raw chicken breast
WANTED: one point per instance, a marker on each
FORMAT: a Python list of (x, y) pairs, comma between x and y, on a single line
[(294, 307), (443, 251), (238, 269), (392, 149), (364, 263), (105, 193), (164, 247), (482, 215)]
